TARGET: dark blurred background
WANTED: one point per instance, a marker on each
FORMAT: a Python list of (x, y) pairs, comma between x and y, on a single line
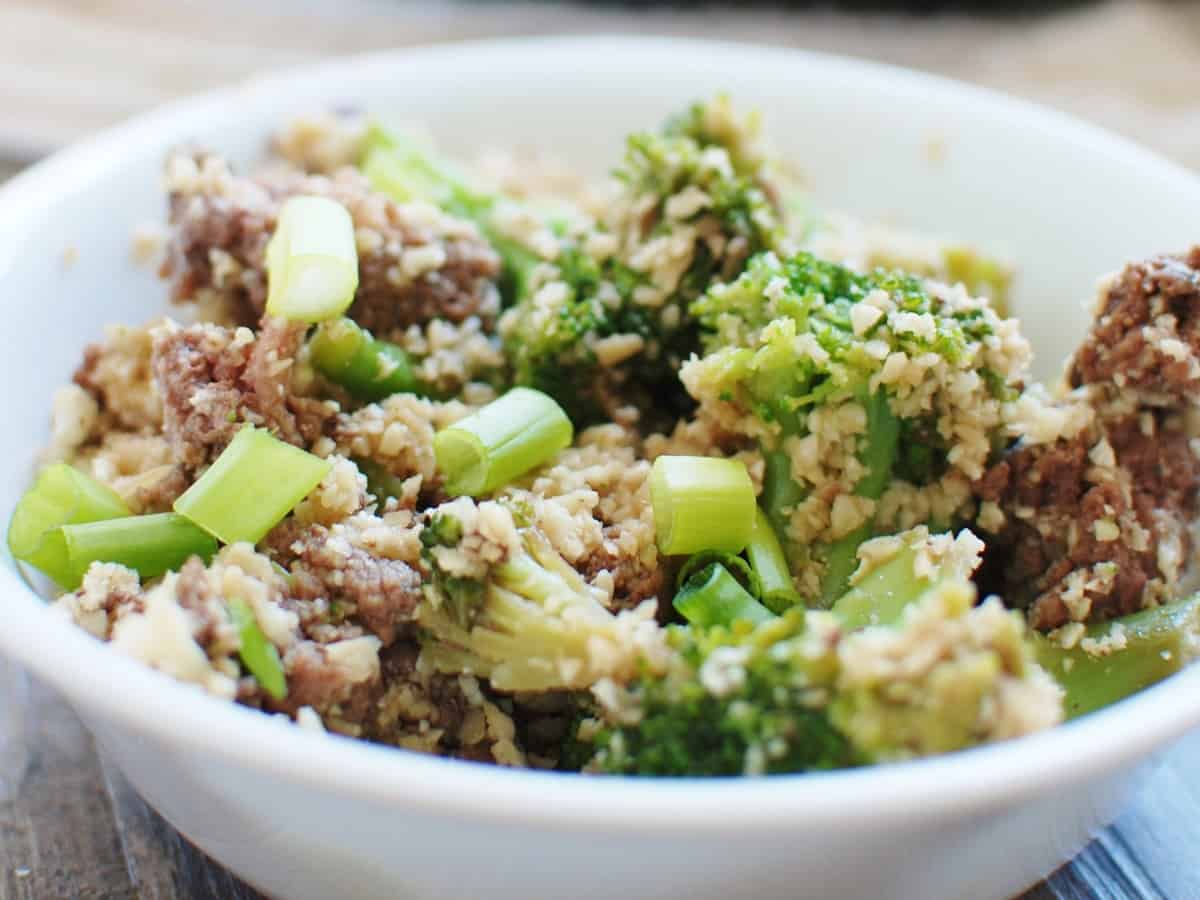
[(68, 67)]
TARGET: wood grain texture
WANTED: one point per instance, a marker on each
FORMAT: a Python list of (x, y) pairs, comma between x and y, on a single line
[(70, 825)]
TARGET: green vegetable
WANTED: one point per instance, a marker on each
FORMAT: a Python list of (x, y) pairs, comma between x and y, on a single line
[(367, 367), (885, 585), (701, 503), (258, 655), (255, 482), (800, 340), (405, 171), (61, 495), (497, 444), (736, 566), (312, 261), (770, 565), (762, 722), (792, 694), (151, 545), (601, 327), (529, 623), (1132, 653), (712, 596)]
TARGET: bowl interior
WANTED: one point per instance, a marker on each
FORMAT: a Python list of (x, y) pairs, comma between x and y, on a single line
[(1066, 202)]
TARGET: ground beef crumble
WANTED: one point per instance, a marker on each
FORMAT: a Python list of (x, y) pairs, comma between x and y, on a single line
[(1096, 524), (415, 263)]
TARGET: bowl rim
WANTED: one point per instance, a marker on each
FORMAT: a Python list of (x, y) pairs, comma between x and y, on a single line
[(104, 684)]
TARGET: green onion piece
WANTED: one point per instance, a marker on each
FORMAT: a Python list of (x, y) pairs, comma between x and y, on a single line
[(62, 495), (701, 503), (735, 565), (368, 368), (258, 655), (1156, 643), (713, 597), (151, 545), (255, 482), (770, 565), (500, 442), (312, 261)]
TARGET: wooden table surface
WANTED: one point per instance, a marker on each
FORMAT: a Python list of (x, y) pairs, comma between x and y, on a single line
[(70, 825)]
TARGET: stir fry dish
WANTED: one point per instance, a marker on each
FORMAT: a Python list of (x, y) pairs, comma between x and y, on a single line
[(667, 473)]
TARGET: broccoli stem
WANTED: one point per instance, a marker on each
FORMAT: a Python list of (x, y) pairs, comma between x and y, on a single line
[(878, 455), (781, 494), (881, 595), (1157, 642)]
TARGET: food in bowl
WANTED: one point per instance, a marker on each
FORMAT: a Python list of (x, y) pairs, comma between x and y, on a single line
[(671, 476)]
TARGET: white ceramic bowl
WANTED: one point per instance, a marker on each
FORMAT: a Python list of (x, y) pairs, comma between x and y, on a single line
[(309, 816)]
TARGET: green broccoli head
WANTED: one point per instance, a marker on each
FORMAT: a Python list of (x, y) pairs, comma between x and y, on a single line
[(807, 692), (502, 604), (876, 398), (734, 701), (604, 321)]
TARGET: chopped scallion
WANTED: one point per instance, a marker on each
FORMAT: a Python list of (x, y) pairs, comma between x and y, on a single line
[(770, 565), (151, 545), (312, 260), (61, 495), (258, 655), (500, 442), (368, 368), (255, 482), (735, 565), (701, 503), (713, 597)]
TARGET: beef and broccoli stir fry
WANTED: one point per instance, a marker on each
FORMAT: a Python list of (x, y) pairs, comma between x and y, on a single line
[(665, 475)]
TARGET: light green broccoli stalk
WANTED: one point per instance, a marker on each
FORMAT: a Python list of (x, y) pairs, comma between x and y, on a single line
[(876, 400), (502, 604), (809, 691)]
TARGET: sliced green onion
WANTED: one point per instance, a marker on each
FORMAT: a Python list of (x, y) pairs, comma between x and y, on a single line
[(258, 655), (701, 503), (500, 442), (1154, 643), (713, 597), (255, 482), (735, 565), (62, 495), (770, 565), (312, 260), (367, 367), (151, 545)]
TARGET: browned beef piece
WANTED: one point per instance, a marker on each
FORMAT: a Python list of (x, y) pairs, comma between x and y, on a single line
[(415, 264), (213, 380), (382, 594), (632, 581), (315, 679), (1147, 331), (1057, 504)]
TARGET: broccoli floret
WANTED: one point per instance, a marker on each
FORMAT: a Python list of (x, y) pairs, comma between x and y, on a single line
[(405, 170), (605, 321), (876, 400), (808, 691), (502, 604)]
